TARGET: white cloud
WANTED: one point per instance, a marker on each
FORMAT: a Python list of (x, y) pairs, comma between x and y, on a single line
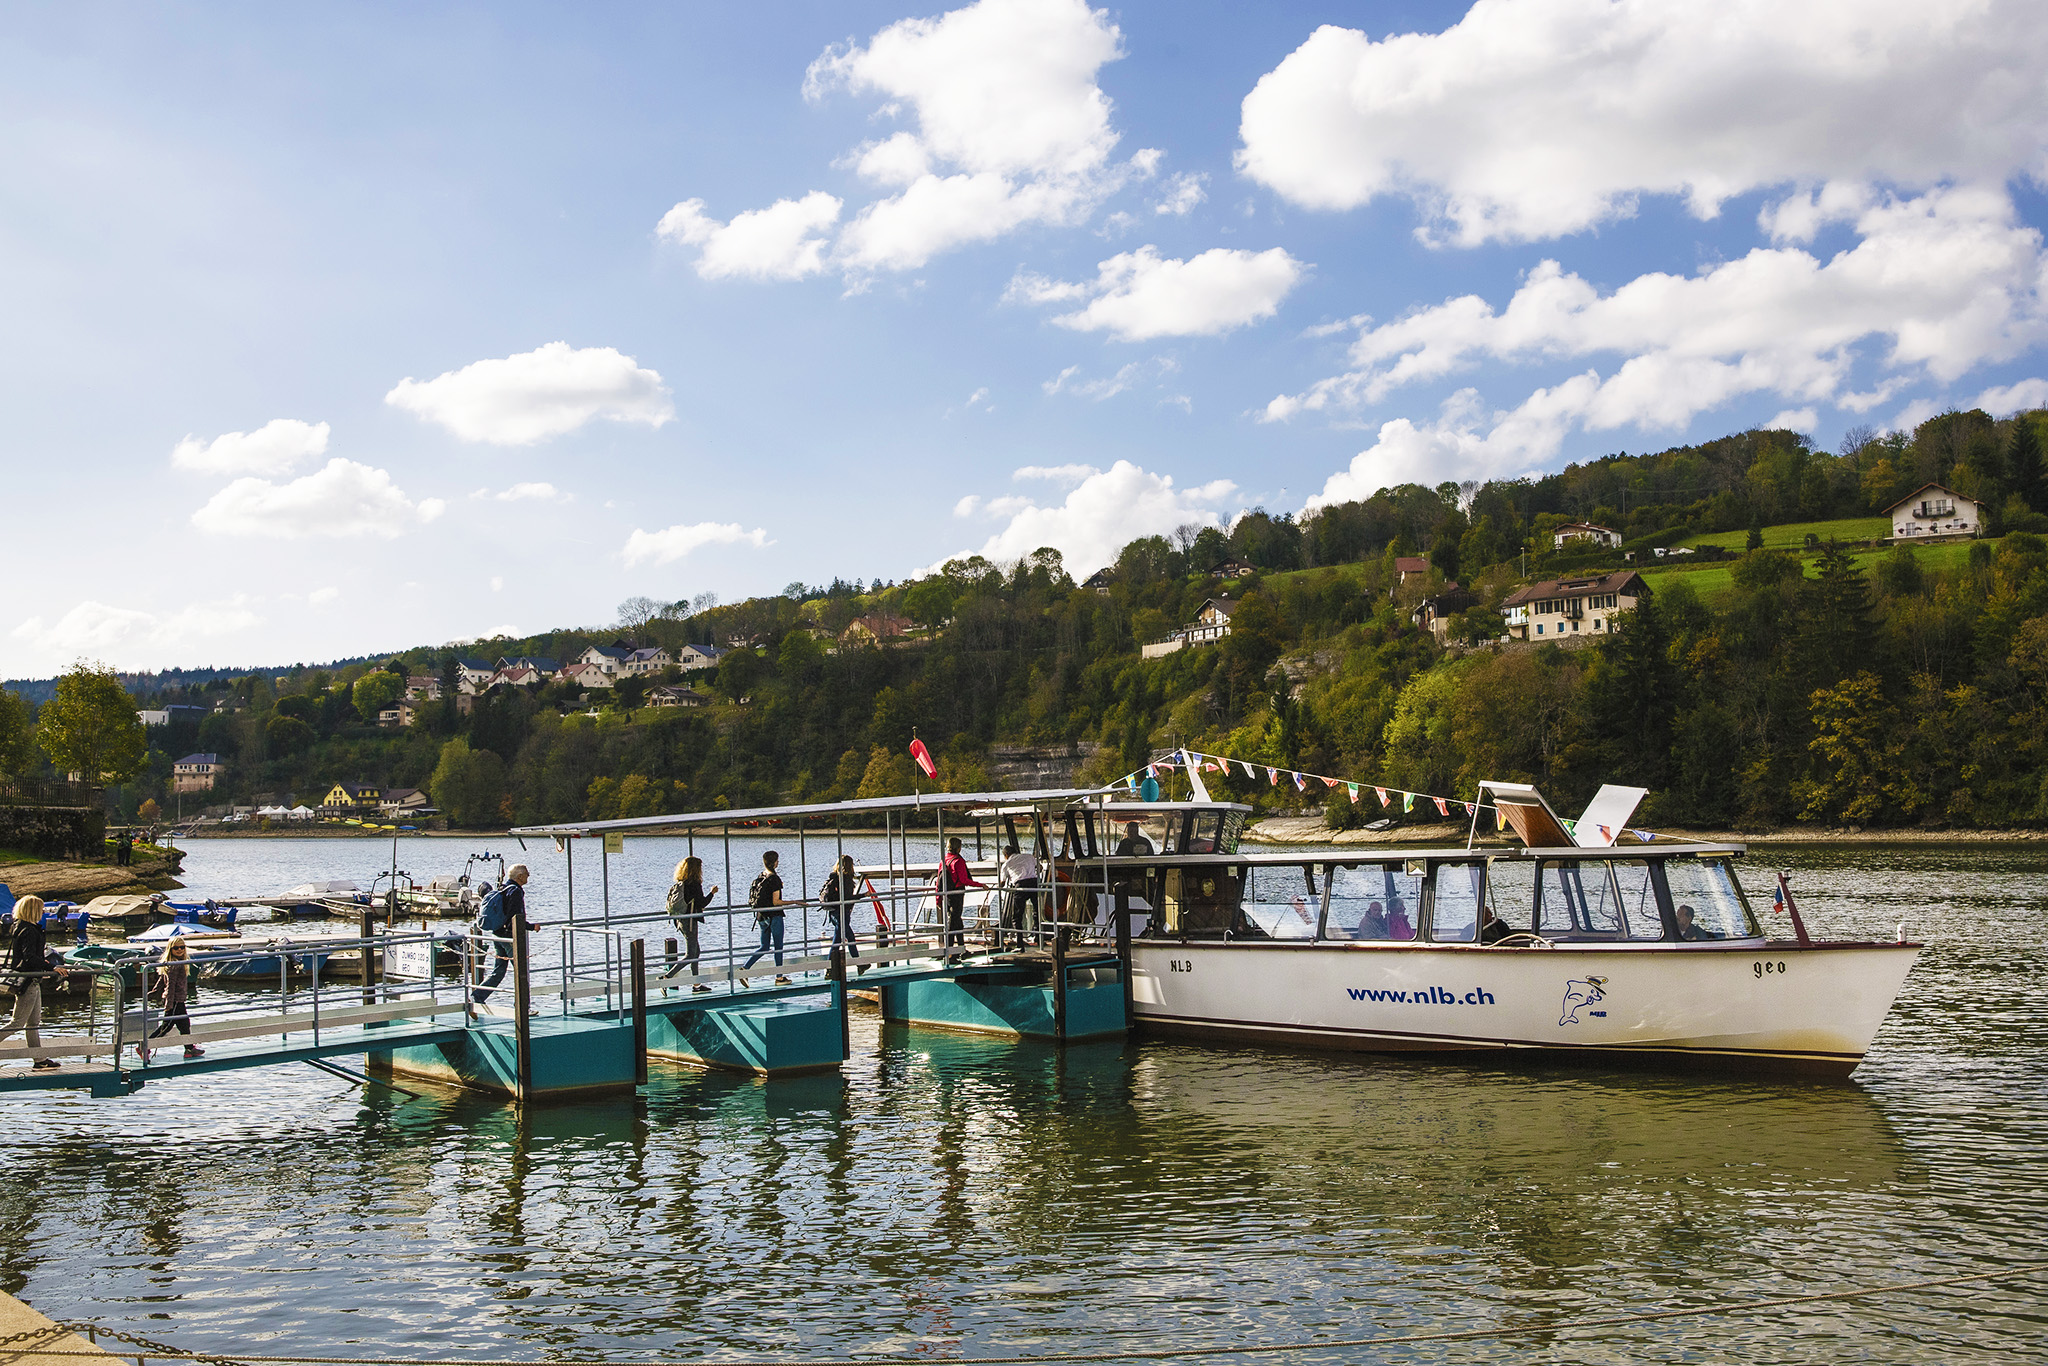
[(1454, 448), (1138, 371), (1947, 281), (1056, 474), (497, 583), (1914, 413), (672, 543), (1533, 118), (780, 242), (1101, 515), (1139, 295), (274, 448), (98, 630), (1183, 192), (344, 499), (320, 597), (525, 493), (1794, 420), (2014, 398), (537, 394)]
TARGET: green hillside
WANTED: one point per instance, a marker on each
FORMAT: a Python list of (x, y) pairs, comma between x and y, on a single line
[(1792, 535)]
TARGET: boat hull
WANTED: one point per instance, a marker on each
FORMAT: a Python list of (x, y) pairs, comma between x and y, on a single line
[(1752, 1007)]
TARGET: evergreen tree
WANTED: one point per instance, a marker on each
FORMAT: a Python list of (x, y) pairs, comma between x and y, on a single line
[(1833, 636), (1631, 699), (2023, 464)]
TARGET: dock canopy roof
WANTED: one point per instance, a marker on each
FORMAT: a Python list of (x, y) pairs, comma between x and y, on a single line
[(923, 801)]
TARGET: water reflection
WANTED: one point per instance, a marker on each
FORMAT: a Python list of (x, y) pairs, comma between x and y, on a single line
[(957, 1195)]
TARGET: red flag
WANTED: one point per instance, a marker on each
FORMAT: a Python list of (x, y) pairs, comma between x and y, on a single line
[(924, 758), (1443, 808)]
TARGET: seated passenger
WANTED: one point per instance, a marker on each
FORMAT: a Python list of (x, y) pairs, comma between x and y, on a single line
[(1495, 929), (1398, 924), (1373, 924), (1687, 929)]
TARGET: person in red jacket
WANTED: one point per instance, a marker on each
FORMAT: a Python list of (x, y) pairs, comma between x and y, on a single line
[(954, 880)]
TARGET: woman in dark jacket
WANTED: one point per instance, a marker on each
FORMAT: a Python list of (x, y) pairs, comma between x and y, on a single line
[(687, 901), (28, 963), (838, 899), (173, 989)]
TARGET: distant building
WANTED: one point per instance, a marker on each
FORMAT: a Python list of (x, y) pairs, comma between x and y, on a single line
[(399, 714), (1585, 531), (1100, 580), (400, 801), (176, 711), (520, 675), (196, 773), (1932, 510), (540, 664), (350, 798), (423, 688), (1408, 567), (1211, 624), (1433, 614), (649, 660), (1234, 569), (472, 676), (584, 674), (692, 658), (874, 629), (669, 695), (1565, 607)]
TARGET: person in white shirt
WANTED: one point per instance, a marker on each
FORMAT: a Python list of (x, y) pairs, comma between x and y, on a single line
[(1018, 877)]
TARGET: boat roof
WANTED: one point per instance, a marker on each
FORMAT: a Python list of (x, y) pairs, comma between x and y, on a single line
[(920, 801)]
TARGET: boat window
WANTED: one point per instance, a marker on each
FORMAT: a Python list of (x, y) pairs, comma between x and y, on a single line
[(1578, 900), (1379, 901), (1706, 901), (1205, 833), (1454, 907), (1203, 903), (1511, 892), (1282, 900), (1638, 899), (1140, 835), (1233, 830)]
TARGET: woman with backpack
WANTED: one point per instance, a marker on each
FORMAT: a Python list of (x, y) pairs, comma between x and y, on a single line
[(28, 961), (687, 902), (837, 898), (765, 897), (173, 991)]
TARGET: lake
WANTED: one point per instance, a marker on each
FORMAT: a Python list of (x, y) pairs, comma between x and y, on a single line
[(951, 1196)]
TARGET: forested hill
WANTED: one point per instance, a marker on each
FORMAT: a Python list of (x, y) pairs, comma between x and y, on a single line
[(1798, 680)]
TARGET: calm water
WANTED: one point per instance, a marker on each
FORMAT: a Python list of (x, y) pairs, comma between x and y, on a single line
[(951, 1196)]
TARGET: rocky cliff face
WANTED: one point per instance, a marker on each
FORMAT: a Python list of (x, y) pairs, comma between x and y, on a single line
[(1026, 768)]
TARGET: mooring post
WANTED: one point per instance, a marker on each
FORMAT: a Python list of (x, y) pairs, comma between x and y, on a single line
[(838, 974), (369, 959), (522, 998), (1123, 953), (1059, 982), (668, 957), (639, 970)]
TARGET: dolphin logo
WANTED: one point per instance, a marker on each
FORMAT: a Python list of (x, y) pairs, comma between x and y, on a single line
[(1579, 993)]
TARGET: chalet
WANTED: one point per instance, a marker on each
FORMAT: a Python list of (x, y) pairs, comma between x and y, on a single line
[(521, 675), (403, 801), (649, 660), (1434, 614), (692, 658), (540, 664), (875, 629), (423, 688), (1565, 607), (1211, 624), (1408, 567), (1931, 511), (584, 674), (196, 773), (472, 676), (668, 695), (1100, 580), (350, 798), (399, 714), (1600, 536), (1234, 569)]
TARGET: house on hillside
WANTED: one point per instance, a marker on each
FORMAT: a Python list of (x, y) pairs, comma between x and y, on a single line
[(584, 674), (692, 658), (1931, 511), (1565, 607), (540, 664), (517, 676), (403, 801), (472, 676), (877, 628), (348, 799), (423, 688), (1100, 580), (650, 659), (1601, 537), (1211, 624), (1433, 614), (196, 773), (670, 695), (1408, 567)]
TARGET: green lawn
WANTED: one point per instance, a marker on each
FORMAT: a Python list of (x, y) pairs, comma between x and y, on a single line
[(1714, 581), (1792, 535)]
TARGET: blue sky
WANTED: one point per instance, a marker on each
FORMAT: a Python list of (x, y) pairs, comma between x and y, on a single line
[(491, 299)]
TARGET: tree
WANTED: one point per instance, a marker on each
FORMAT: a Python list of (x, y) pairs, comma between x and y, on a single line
[(2023, 464), (287, 735), (930, 601), (888, 775), (468, 784), (90, 726), (16, 728), (148, 811), (374, 692), (636, 613)]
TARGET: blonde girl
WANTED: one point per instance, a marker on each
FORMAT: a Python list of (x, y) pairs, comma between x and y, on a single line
[(28, 964)]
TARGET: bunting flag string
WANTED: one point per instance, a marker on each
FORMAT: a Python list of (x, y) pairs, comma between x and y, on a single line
[(1193, 760)]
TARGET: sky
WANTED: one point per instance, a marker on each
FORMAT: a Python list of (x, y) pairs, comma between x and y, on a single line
[(332, 330)]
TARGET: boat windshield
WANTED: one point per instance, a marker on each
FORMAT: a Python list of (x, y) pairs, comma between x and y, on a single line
[(1281, 900), (1375, 901), (1153, 833), (1454, 914), (1706, 900)]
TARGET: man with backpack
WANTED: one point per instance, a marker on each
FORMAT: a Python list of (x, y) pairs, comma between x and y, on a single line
[(503, 909), (765, 896)]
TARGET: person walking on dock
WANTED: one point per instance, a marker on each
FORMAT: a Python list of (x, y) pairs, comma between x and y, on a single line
[(687, 902), (503, 910), (1018, 877), (954, 880), (765, 896), (28, 962), (174, 991), (837, 899)]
